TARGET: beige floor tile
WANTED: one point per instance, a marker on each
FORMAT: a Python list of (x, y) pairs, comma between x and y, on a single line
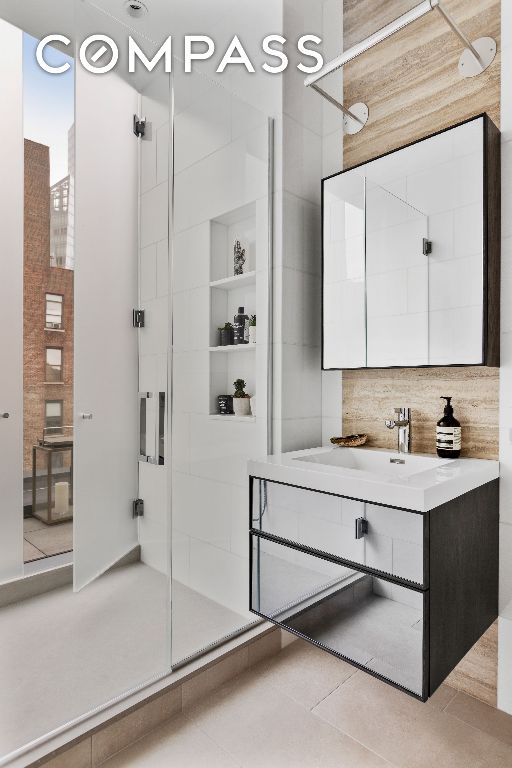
[(30, 552), (53, 539), (305, 673), (442, 697), (178, 743), (78, 756), (32, 524), (406, 732), (482, 716), (139, 723), (263, 728), (477, 673)]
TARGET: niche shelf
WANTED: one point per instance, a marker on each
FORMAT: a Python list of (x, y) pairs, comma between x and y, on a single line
[(237, 281), (235, 348), (228, 292), (233, 419)]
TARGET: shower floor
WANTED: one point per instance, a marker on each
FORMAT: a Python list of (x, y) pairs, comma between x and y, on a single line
[(63, 654), (199, 622)]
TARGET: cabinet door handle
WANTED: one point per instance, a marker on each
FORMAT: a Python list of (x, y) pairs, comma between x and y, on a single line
[(361, 527), (5, 415)]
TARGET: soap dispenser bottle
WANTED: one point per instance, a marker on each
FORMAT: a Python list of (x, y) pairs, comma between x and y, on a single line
[(448, 434)]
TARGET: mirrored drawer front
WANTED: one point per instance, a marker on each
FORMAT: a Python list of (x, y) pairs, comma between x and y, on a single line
[(360, 617), (381, 538)]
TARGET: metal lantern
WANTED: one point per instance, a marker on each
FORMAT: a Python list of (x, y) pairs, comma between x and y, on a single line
[(52, 478)]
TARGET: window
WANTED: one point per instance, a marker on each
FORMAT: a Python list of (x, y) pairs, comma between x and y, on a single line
[(53, 416), (53, 364), (53, 311)]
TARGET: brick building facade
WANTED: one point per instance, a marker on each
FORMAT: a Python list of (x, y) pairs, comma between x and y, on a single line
[(41, 384)]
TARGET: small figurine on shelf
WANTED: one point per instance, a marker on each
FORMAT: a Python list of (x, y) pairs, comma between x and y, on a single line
[(241, 400), (226, 335), (252, 330), (239, 258)]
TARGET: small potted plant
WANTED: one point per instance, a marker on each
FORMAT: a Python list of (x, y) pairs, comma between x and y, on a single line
[(241, 400), (226, 335), (252, 329)]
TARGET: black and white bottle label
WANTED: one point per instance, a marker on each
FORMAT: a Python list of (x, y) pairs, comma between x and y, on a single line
[(449, 438)]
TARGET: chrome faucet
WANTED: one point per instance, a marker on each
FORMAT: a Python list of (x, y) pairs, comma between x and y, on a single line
[(402, 423)]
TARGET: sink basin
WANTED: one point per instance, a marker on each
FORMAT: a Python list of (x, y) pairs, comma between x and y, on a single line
[(376, 462), (421, 483)]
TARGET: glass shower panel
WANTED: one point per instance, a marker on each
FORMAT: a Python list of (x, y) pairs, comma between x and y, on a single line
[(397, 284), (155, 336), (220, 265)]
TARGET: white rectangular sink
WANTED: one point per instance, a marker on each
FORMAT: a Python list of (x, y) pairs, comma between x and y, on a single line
[(420, 483), (375, 462)]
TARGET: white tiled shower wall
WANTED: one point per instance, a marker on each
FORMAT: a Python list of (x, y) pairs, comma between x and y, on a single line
[(221, 166), (332, 162), (309, 135), (505, 621), (209, 533)]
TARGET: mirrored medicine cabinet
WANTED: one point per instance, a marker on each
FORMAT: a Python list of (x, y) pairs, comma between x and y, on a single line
[(411, 255)]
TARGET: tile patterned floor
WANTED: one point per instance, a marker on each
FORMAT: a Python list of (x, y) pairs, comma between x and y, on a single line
[(42, 540), (304, 708)]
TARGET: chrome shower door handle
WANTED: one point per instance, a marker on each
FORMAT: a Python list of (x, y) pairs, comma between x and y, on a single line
[(144, 456), (160, 438)]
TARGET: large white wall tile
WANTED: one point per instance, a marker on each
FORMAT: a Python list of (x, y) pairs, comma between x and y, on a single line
[(154, 224)]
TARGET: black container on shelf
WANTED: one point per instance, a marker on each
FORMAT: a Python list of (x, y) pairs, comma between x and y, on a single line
[(225, 405), (239, 324), (226, 335)]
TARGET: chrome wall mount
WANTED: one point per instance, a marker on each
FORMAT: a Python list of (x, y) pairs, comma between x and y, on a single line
[(476, 57)]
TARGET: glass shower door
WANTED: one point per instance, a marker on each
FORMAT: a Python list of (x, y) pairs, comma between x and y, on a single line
[(220, 269)]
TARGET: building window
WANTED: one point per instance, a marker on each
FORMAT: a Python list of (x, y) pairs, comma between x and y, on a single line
[(53, 364), (53, 416), (53, 311)]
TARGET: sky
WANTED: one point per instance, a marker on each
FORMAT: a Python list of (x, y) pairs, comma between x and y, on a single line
[(48, 105)]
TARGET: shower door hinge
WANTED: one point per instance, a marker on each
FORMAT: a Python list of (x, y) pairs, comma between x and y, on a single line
[(427, 247), (139, 126), (138, 508), (139, 318)]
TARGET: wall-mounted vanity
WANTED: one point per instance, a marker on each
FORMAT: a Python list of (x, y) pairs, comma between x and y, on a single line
[(411, 255), (393, 568)]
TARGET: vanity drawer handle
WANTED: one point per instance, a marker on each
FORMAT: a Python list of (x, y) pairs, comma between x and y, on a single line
[(361, 527)]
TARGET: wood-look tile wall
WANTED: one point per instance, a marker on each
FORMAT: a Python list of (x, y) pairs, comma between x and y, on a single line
[(411, 82), (369, 398), (412, 87)]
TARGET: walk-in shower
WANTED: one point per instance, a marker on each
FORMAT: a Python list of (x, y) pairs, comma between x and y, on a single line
[(160, 569)]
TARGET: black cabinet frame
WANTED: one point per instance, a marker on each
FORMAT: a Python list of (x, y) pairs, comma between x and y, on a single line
[(460, 592), (491, 246)]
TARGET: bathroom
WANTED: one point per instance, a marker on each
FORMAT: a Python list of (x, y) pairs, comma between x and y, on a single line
[(196, 256)]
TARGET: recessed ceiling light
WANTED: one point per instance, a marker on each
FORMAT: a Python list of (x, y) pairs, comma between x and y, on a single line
[(135, 8)]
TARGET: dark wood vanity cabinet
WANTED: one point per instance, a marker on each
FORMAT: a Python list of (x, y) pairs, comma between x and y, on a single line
[(411, 247), (400, 594)]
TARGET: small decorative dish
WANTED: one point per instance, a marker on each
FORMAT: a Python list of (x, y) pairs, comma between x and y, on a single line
[(350, 441)]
